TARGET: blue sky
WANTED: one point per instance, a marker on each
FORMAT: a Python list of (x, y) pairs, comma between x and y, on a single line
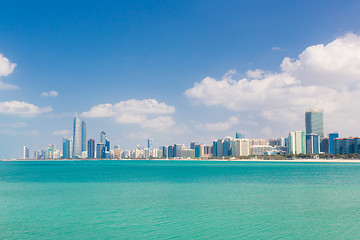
[(110, 52)]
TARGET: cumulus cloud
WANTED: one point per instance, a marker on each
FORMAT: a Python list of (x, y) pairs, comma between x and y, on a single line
[(258, 73), (51, 93), (6, 68), (64, 132), (22, 109), (322, 76), (162, 122), (135, 111), (219, 126)]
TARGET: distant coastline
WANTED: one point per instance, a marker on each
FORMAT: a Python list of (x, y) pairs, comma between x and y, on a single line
[(297, 160)]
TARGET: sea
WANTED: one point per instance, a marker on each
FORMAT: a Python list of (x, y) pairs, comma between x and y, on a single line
[(179, 200)]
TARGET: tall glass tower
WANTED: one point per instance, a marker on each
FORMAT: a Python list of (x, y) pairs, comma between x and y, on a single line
[(102, 137), (79, 137), (83, 136), (314, 122)]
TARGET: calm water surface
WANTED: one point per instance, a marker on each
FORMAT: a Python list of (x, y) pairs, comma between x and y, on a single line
[(179, 200)]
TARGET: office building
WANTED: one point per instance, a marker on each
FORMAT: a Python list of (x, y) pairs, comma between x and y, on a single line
[(102, 137), (227, 147), (193, 144), (314, 122), (312, 144), (100, 151), (67, 148), (296, 142), (214, 148), (332, 137), (177, 150), (239, 136), (150, 143), (199, 151), (91, 148), (170, 152), (242, 147), (79, 138), (187, 153), (219, 147), (259, 150), (107, 145), (26, 152)]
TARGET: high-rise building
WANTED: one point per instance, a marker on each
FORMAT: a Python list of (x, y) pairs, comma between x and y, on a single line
[(219, 147), (67, 144), (324, 145), (312, 143), (177, 150), (193, 144), (102, 137), (242, 147), (214, 148), (107, 145), (79, 138), (91, 148), (170, 151), (314, 122), (227, 147), (239, 135), (26, 152), (149, 143), (100, 150), (83, 136), (199, 151), (165, 152), (296, 142), (332, 137)]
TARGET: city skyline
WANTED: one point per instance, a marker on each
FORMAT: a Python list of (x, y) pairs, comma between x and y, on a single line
[(125, 71)]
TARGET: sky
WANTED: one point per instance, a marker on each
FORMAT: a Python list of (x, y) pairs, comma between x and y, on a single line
[(175, 71)]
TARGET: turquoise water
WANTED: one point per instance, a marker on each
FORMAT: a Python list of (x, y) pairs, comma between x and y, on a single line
[(179, 200)]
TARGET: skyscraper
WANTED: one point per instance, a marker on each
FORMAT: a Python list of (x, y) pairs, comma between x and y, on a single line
[(312, 143), (149, 143), (296, 142), (26, 152), (332, 137), (91, 148), (100, 150), (314, 122), (83, 136), (177, 150), (67, 144), (240, 135), (79, 137), (107, 145), (102, 137)]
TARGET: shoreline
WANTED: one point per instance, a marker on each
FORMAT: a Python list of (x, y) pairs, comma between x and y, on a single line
[(199, 160)]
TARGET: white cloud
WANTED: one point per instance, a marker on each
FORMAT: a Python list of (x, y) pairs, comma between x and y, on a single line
[(323, 76), (51, 93), (159, 123), (258, 73), (6, 68), (22, 109), (7, 86), (134, 111), (64, 132), (131, 107), (219, 126), (276, 48)]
